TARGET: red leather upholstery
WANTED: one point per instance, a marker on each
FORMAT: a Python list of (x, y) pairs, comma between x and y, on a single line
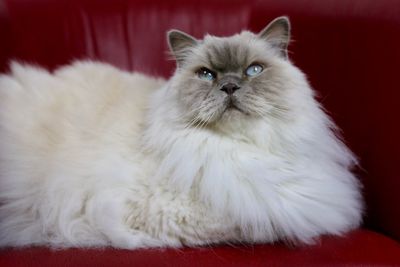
[(360, 248), (349, 49)]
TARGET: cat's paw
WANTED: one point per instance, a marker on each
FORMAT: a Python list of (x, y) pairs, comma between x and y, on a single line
[(134, 240)]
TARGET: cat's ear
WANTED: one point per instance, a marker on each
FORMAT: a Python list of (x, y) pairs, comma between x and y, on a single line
[(180, 44), (277, 33)]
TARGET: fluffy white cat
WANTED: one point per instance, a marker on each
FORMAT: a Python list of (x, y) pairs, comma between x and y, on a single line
[(233, 148)]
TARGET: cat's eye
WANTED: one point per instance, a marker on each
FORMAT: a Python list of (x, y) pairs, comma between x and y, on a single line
[(254, 69), (206, 74)]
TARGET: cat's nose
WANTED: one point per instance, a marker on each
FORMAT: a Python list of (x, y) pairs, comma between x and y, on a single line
[(230, 88)]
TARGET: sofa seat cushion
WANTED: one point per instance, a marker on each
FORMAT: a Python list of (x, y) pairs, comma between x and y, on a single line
[(358, 248)]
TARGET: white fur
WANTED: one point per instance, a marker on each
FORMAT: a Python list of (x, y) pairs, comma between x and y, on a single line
[(84, 163)]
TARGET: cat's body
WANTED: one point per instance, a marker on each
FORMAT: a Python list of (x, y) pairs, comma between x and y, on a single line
[(93, 156)]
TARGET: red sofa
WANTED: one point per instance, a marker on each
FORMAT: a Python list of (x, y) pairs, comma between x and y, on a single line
[(350, 50)]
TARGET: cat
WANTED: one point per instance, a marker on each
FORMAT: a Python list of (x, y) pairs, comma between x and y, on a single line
[(232, 148)]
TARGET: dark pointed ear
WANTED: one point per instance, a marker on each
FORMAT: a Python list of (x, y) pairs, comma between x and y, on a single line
[(277, 33), (180, 44)]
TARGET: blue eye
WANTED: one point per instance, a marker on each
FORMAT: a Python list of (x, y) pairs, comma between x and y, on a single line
[(206, 74), (254, 69)]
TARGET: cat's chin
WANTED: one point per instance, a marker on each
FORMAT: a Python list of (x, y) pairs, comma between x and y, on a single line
[(229, 117), (232, 111), (232, 114)]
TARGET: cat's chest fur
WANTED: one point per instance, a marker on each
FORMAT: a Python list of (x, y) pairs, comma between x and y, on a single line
[(216, 175), (193, 182)]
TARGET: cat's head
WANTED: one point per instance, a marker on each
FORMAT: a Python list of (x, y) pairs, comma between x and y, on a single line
[(231, 78)]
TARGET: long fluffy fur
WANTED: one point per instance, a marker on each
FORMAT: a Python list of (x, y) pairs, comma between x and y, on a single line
[(93, 156)]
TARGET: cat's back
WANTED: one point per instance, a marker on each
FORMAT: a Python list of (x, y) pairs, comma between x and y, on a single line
[(85, 91), (64, 114)]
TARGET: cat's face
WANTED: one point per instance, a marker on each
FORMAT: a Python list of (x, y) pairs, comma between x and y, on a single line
[(231, 78)]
